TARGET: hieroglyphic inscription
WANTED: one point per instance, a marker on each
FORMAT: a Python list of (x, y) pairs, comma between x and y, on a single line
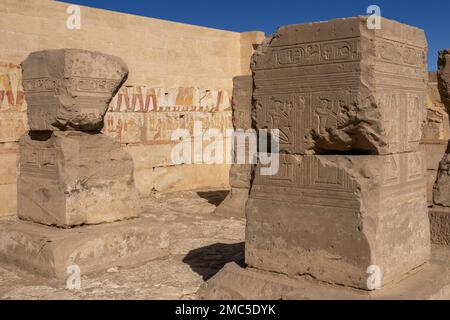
[(320, 179), (400, 53), (296, 116), (38, 162), (306, 54)]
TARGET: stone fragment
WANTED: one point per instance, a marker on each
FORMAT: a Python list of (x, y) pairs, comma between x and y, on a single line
[(49, 251), (337, 86), (440, 225), (437, 123), (240, 173), (443, 77), (72, 178), (441, 188), (432, 282), (70, 89), (334, 216)]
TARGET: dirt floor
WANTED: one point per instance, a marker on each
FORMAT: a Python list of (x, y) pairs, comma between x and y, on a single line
[(205, 244)]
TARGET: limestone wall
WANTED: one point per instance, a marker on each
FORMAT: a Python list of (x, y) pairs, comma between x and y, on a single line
[(178, 74)]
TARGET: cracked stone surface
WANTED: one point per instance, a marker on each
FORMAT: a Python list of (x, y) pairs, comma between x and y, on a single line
[(205, 245)]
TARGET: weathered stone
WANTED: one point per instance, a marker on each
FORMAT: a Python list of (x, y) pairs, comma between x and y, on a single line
[(433, 152), (337, 86), (437, 126), (50, 251), (70, 89), (234, 204), (441, 188), (332, 217), (432, 282), (240, 173), (72, 178), (443, 77), (440, 225)]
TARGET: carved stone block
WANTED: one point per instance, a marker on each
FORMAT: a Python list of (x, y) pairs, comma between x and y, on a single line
[(70, 89), (334, 216), (337, 86), (72, 178)]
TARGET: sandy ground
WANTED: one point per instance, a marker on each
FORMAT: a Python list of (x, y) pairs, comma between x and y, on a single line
[(205, 245)]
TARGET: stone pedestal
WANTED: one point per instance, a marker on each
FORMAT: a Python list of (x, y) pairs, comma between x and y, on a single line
[(348, 202), (72, 178), (440, 211), (332, 217), (71, 175), (430, 282), (49, 251)]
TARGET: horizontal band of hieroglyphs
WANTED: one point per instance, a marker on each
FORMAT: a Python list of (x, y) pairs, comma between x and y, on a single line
[(342, 51), (128, 99)]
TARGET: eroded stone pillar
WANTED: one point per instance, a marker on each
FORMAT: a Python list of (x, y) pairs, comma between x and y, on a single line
[(348, 203), (75, 188), (339, 88), (240, 171), (440, 212), (70, 173)]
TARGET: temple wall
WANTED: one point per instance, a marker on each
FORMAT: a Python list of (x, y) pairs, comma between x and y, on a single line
[(179, 74)]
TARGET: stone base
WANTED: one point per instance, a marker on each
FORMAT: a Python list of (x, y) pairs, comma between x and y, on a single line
[(234, 204), (49, 251), (432, 281), (440, 225)]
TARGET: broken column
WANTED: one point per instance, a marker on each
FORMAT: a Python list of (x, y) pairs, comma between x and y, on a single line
[(440, 211), (350, 192), (71, 175), (240, 171)]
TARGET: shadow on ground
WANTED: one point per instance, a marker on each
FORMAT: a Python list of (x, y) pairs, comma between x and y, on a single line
[(214, 197), (207, 261)]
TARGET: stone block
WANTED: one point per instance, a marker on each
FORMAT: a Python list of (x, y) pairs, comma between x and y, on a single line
[(443, 77), (437, 123), (240, 173), (432, 282), (440, 225), (433, 153), (72, 178), (441, 188), (70, 89), (431, 178), (49, 251), (242, 102), (337, 86), (333, 216), (240, 176), (234, 204)]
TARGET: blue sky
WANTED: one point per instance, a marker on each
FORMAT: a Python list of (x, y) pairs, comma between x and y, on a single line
[(247, 15)]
